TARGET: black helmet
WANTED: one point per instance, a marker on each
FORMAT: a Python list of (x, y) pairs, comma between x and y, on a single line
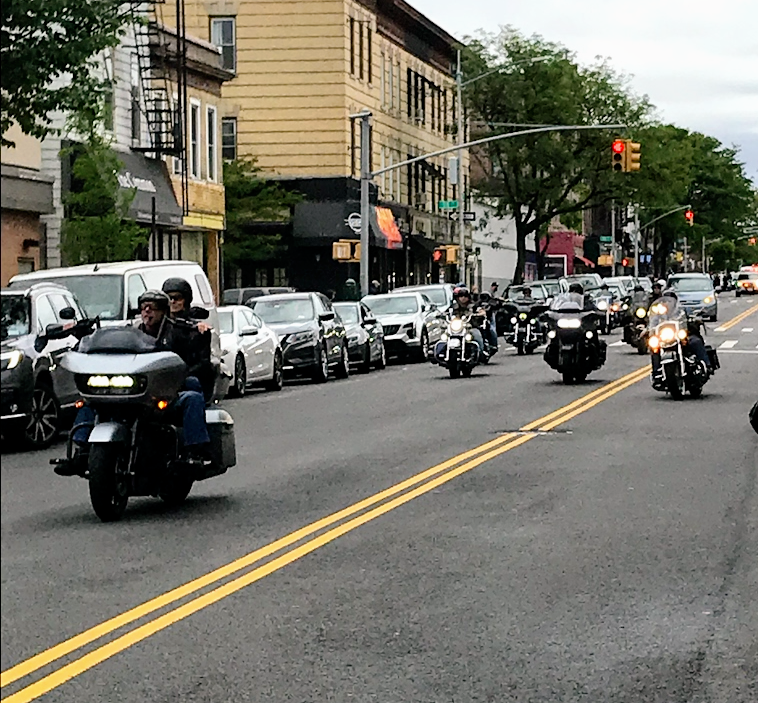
[(157, 297), (462, 292), (484, 296), (638, 288), (576, 288), (179, 285), (526, 290)]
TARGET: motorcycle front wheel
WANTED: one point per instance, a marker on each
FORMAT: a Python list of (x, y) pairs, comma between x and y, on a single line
[(674, 385), (108, 488), (176, 492)]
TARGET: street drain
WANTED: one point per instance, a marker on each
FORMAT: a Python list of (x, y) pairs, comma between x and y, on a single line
[(532, 432)]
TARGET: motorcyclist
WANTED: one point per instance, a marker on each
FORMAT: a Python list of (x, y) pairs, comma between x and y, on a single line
[(154, 312), (694, 342), (463, 306), (656, 293), (489, 306)]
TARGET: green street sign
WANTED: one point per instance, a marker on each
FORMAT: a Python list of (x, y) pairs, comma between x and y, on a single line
[(606, 240), (448, 204)]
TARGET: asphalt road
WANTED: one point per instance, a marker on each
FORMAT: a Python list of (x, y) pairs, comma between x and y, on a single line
[(604, 553)]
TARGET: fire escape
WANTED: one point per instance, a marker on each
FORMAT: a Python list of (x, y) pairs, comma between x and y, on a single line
[(162, 67)]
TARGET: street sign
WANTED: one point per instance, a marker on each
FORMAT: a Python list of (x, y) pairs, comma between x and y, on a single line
[(448, 204), (467, 216), (606, 239), (354, 222)]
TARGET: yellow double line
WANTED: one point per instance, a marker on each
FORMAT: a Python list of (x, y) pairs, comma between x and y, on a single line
[(335, 525), (736, 320)]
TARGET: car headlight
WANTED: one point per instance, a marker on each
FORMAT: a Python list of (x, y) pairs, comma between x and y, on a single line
[(456, 325), (300, 337), (640, 312), (352, 338), (602, 305), (667, 334), (569, 323), (708, 299), (11, 359)]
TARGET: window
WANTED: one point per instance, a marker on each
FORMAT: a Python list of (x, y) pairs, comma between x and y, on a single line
[(177, 163), (229, 138), (224, 36), (194, 140), (205, 292), (135, 288), (280, 276), (45, 314), (352, 46), (109, 105), (360, 50), (210, 140), (383, 82), (135, 106), (368, 53)]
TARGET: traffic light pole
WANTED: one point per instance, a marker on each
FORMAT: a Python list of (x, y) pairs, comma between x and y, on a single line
[(460, 193), (365, 118)]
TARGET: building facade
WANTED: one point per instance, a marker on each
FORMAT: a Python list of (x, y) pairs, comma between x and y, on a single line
[(301, 69), (26, 195)]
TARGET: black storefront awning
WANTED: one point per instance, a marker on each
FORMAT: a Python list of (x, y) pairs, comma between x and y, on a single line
[(149, 179), (423, 243)]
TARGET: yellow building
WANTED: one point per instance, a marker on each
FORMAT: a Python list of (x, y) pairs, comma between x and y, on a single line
[(301, 68)]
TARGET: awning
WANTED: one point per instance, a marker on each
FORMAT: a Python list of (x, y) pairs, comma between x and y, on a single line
[(586, 262), (385, 229), (150, 181), (428, 245)]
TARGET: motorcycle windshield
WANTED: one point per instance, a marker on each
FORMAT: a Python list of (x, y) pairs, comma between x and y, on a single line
[(117, 340), (665, 309), (568, 302)]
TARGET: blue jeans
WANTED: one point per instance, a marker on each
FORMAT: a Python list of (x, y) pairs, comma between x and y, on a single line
[(191, 404), (492, 333)]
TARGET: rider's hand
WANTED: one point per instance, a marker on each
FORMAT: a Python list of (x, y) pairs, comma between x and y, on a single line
[(203, 327)]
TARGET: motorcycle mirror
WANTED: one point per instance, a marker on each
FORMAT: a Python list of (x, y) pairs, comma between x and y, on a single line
[(40, 343), (198, 313), (67, 314)]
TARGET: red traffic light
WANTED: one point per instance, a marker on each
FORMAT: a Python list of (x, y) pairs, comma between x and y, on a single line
[(625, 262), (437, 255), (689, 215), (618, 146)]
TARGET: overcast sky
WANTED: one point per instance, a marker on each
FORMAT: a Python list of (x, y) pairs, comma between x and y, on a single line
[(697, 61)]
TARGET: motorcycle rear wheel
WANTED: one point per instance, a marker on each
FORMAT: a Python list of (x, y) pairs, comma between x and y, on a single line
[(108, 491)]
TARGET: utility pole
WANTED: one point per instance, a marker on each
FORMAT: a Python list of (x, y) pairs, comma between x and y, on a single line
[(461, 204), (614, 250), (636, 243), (686, 254), (365, 118)]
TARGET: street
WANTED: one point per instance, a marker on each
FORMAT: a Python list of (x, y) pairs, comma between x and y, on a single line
[(401, 536)]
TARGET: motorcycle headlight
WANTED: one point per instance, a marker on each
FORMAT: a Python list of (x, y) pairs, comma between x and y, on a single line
[(522, 316), (667, 334), (11, 359), (569, 323), (513, 320), (532, 321), (443, 336), (624, 307), (602, 305), (640, 312), (682, 334), (551, 334), (456, 325), (468, 337), (112, 381), (654, 342), (588, 334), (659, 309), (615, 307)]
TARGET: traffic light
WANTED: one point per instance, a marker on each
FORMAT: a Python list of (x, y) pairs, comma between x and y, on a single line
[(625, 262), (690, 217), (439, 256), (617, 155), (632, 155)]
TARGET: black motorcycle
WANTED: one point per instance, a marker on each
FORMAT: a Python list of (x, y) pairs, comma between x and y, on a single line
[(525, 331), (135, 442), (574, 348), (457, 351), (635, 327)]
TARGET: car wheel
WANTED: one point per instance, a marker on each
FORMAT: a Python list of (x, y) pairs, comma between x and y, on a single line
[(424, 345), (277, 380), (321, 368), (366, 363), (382, 361), (240, 377), (44, 418), (343, 367)]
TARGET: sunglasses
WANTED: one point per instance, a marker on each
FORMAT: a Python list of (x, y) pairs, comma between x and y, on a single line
[(151, 307)]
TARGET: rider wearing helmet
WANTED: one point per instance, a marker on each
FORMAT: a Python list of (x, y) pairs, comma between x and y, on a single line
[(462, 305)]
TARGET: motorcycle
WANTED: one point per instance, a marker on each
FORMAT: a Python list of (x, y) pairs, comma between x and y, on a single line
[(135, 444), (457, 351), (635, 329), (525, 332), (669, 331), (574, 348)]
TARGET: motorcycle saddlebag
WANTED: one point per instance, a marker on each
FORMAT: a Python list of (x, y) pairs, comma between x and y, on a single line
[(714, 357), (221, 431)]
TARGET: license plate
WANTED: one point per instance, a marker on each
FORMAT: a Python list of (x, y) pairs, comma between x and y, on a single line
[(454, 343)]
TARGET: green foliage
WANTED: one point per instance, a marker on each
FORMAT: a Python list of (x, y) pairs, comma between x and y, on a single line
[(251, 200), (538, 177), (42, 42), (722, 255), (97, 227)]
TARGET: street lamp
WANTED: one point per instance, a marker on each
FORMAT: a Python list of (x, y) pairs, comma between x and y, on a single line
[(460, 85)]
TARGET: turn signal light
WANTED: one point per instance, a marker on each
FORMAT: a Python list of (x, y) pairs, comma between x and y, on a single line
[(162, 404), (79, 404)]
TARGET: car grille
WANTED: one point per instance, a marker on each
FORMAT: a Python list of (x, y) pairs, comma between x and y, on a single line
[(391, 329)]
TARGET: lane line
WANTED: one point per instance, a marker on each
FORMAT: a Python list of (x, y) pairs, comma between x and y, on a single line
[(84, 638), (108, 650), (728, 344), (736, 320), (747, 329)]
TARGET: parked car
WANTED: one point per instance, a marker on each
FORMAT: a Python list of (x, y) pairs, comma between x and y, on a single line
[(441, 294), (411, 321), (239, 296), (36, 391), (312, 336), (365, 335), (624, 283), (551, 285), (110, 292), (695, 292), (747, 283), (251, 348)]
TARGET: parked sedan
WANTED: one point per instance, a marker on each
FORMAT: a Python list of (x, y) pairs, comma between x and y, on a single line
[(250, 350), (312, 337), (36, 390), (365, 336), (411, 321)]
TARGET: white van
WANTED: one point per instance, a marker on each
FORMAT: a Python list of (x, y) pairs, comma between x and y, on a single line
[(111, 291)]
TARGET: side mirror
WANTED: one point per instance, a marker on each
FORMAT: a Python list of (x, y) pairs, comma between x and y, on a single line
[(198, 313), (369, 320), (54, 331), (326, 316), (248, 331), (67, 313)]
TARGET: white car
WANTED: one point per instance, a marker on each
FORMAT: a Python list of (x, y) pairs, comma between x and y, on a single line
[(250, 350)]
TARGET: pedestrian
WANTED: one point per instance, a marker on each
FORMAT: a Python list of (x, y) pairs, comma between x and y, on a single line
[(374, 287), (493, 289)]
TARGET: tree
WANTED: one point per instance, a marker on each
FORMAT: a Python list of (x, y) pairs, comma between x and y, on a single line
[(47, 49), (251, 200), (97, 227), (537, 178)]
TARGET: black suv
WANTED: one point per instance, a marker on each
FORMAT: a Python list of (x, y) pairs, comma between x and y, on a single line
[(35, 392), (312, 336)]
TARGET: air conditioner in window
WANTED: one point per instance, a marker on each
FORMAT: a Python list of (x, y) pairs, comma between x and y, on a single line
[(420, 200)]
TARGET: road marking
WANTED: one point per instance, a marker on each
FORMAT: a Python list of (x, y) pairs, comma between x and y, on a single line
[(620, 343), (728, 344), (738, 351), (747, 329), (736, 320), (450, 469)]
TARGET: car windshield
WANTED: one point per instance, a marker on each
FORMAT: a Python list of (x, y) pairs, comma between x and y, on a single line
[(283, 311), (348, 313), (553, 288), (584, 280), (436, 295), (515, 292), (16, 316), (692, 285), (392, 304), (99, 296), (226, 322)]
